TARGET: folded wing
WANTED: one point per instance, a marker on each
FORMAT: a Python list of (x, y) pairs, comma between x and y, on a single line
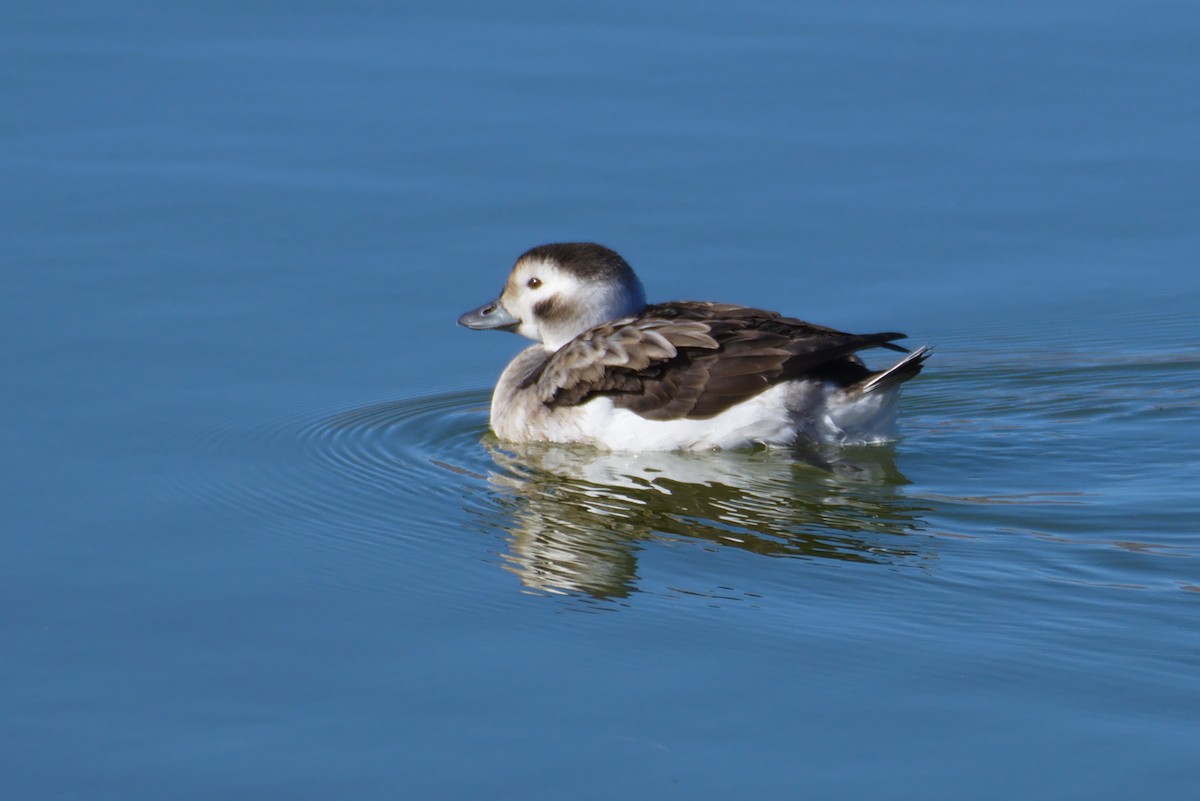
[(695, 360)]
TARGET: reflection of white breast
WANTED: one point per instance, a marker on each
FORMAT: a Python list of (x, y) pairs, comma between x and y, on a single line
[(578, 518)]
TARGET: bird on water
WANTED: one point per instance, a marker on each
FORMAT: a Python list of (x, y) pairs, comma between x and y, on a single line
[(609, 370)]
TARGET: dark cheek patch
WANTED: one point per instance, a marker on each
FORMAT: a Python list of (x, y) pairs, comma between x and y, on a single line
[(552, 310)]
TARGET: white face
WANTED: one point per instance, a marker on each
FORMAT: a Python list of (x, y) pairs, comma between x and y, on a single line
[(554, 306), (533, 289)]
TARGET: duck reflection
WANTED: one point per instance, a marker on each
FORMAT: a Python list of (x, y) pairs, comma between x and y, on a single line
[(577, 517)]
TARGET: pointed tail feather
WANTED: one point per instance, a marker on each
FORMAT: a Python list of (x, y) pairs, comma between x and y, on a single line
[(895, 375)]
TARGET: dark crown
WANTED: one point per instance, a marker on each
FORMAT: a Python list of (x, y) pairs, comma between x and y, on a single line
[(585, 260)]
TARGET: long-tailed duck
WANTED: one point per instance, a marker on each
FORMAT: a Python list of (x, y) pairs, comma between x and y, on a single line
[(611, 371)]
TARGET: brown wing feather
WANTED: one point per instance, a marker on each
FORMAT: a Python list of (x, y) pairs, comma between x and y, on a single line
[(618, 357), (695, 360)]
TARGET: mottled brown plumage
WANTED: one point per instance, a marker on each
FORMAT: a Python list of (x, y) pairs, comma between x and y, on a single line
[(694, 360)]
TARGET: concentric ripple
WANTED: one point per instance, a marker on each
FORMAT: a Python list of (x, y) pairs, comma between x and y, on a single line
[(368, 482), (403, 444)]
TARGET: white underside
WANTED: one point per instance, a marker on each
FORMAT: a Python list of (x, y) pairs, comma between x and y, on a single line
[(797, 410)]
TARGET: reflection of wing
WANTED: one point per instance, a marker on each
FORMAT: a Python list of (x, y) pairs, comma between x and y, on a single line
[(695, 360)]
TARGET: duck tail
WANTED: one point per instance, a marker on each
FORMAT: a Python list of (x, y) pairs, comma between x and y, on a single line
[(895, 375)]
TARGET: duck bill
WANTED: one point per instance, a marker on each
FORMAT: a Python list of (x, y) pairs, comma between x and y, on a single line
[(489, 316)]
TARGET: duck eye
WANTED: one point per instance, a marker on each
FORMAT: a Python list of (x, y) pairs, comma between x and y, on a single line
[(533, 283)]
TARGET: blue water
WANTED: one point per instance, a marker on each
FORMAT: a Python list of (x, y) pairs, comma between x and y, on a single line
[(259, 543)]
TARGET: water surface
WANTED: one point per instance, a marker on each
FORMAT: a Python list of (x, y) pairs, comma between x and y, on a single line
[(260, 543)]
